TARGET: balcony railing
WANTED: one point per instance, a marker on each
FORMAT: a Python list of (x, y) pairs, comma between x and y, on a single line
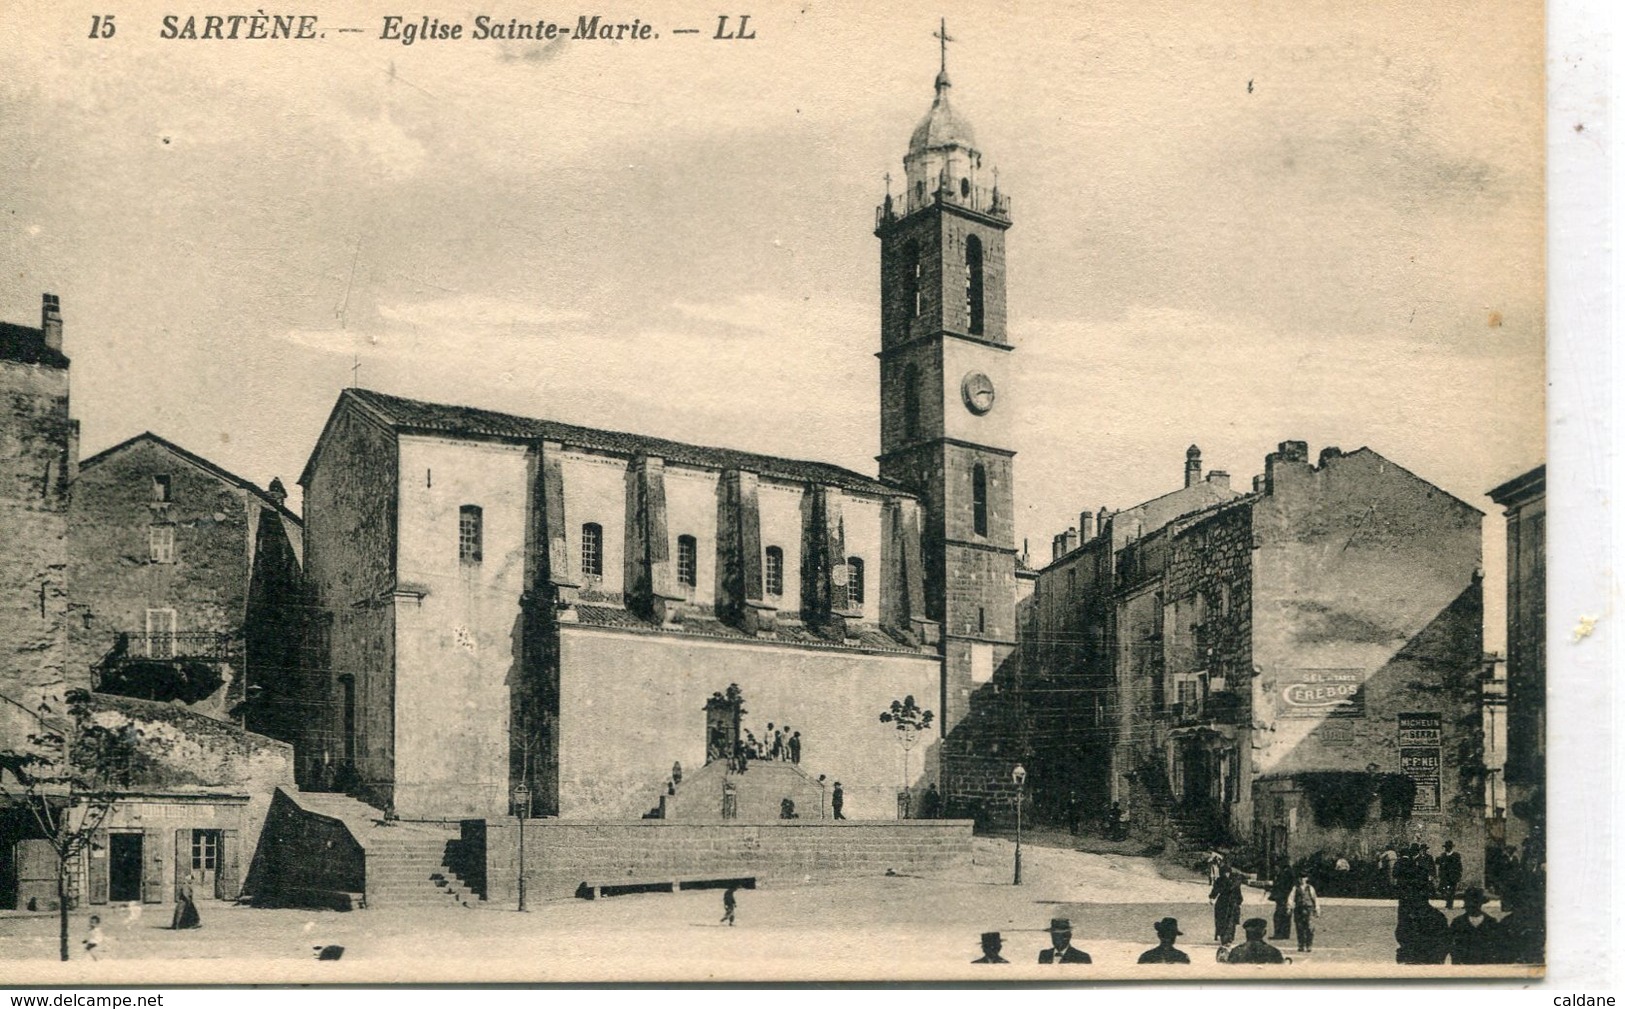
[(162, 645), (1219, 706), (978, 198)]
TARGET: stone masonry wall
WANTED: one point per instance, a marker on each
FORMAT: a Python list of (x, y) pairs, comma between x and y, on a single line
[(560, 855), (35, 439)]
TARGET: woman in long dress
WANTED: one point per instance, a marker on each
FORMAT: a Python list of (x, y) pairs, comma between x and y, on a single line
[(186, 915), (1226, 897)]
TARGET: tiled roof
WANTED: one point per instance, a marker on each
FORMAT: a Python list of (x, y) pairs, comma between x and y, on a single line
[(214, 470), (437, 418), (26, 345), (786, 632)]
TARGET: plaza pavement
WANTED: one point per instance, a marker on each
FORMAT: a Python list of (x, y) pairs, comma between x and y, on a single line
[(873, 928)]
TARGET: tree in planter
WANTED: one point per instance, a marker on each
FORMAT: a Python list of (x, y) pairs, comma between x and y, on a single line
[(69, 775), (910, 720)]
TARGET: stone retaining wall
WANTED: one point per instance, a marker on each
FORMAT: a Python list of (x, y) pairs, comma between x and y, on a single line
[(560, 855)]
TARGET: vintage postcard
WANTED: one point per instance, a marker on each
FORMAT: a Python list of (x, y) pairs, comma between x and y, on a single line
[(677, 492)]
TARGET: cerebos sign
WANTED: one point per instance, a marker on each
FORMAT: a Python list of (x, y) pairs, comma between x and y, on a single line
[(1323, 693)]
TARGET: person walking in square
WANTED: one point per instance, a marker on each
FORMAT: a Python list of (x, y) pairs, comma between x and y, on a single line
[(1305, 908), (1164, 952), (1449, 866), (1280, 893), (730, 903), (1226, 898), (795, 747), (837, 799)]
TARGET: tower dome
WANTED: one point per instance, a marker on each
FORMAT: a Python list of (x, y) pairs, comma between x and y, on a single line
[(942, 126), (943, 161)]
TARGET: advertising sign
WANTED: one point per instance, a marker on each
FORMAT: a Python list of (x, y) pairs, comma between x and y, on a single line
[(1420, 738), (1323, 693)]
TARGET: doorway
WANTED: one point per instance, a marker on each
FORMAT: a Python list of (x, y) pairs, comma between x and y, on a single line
[(123, 867), (205, 862)]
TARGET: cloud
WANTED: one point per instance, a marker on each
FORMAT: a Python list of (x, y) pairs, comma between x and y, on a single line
[(464, 311)]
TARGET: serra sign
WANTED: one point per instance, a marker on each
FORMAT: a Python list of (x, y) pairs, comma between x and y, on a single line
[(1323, 693)]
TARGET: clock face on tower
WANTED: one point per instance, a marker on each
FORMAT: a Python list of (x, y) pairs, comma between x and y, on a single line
[(977, 389)]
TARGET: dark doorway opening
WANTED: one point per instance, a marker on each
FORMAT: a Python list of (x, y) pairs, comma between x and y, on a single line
[(124, 867)]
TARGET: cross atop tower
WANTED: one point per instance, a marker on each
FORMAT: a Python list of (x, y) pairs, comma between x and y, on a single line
[(942, 33)]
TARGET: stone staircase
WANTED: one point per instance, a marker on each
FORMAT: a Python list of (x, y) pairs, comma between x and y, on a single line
[(407, 867), (406, 864), (757, 793)]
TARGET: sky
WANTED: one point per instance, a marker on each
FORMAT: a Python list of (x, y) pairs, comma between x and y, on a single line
[(1235, 224)]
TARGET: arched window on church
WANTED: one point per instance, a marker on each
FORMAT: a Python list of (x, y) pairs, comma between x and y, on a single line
[(911, 402), (978, 498), (592, 550), (973, 284), (688, 561), (854, 581), (773, 572)]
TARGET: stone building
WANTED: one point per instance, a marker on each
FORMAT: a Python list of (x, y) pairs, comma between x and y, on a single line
[(1524, 498), (38, 451), (1296, 670), (500, 600), (193, 812), (166, 549)]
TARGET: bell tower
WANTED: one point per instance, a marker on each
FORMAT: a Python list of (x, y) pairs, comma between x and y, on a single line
[(945, 402)]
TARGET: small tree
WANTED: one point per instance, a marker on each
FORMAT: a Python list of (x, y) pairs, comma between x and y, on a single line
[(68, 775), (909, 719)]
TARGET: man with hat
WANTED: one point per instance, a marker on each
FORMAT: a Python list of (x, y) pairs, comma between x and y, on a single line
[(1255, 949), (1475, 937), (992, 943), (1165, 952), (1061, 949)]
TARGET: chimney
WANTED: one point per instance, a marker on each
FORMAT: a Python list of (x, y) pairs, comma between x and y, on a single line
[(1086, 526), (1288, 452), (1329, 452), (1100, 520), (1193, 466), (1219, 478), (51, 321), (1056, 542), (1258, 484), (278, 493), (1071, 539)]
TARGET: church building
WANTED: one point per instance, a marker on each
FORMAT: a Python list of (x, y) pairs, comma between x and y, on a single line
[(502, 601)]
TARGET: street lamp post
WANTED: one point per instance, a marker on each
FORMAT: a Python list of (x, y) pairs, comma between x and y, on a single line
[(1020, 776), (521, 798)]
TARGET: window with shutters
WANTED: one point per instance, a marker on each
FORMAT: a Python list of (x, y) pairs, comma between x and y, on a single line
[(161, 544)]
